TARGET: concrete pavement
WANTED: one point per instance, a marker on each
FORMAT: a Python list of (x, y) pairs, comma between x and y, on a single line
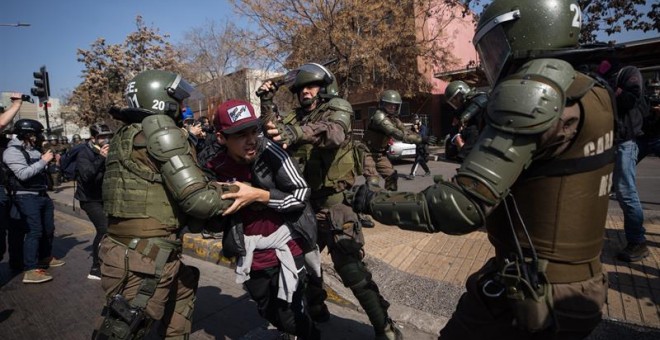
[(422, 275)]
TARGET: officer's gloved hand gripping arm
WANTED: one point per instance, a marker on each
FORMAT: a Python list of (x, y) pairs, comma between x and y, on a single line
[(521, 108), (185, 181)]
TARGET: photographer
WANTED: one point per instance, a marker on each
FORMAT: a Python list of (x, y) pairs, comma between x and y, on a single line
[(7, 115), (90, 168), (28, 186)]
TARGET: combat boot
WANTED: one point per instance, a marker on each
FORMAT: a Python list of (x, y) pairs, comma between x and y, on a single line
[(366, 221), (391, 332)]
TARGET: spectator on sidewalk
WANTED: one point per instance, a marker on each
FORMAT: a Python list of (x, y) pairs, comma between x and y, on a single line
[(29, 184), (272, 223), (628, 86), (421, 149), (90, 168)]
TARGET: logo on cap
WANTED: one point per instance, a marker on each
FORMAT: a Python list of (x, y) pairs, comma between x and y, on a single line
[(237, 113)]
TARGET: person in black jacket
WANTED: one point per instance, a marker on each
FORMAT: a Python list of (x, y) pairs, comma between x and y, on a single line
[(90, 168), (271, 225)]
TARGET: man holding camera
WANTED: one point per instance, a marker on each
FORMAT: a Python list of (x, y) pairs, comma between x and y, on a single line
[(7, 115), (28, 186)]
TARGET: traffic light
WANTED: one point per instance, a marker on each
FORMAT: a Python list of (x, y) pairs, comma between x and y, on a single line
[(42, 89)]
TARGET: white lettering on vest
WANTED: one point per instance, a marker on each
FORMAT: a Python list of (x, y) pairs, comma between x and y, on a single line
[(605, 185), (602, 144)]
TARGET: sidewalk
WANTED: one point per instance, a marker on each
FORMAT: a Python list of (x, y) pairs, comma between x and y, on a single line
[(422, 275)]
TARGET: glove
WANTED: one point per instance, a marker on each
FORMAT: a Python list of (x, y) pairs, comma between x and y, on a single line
[(359, 198), (289, 133), (433, 140)]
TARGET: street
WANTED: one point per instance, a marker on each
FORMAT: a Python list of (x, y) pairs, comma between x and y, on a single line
[(68, 306)]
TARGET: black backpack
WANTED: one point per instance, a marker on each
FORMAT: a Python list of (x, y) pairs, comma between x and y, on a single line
[(68, 161)]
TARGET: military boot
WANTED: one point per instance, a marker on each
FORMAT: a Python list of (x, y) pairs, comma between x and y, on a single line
[(391, 332), (366, 221)]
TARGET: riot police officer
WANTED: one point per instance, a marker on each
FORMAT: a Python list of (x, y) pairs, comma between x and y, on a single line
[(470, 105), (151, 188), (383, 125), (537, 179), (76, 139), (318, 135)]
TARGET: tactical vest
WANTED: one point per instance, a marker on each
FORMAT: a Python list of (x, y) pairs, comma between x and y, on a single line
[(327, 171), (564, 210), (375, 138), (132, 190)]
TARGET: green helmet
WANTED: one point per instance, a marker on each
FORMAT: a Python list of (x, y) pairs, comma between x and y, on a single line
[(76, 138), (157, 92), (52, 138), (456, 93), (64, 139), (522, 29), (391, 97), (316, 74)]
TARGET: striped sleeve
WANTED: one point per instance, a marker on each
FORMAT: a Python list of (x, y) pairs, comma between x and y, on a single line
[(291, 192)]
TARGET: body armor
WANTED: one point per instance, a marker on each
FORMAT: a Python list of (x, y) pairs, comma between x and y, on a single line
[(382, 127), (133, 190), (327, 171)]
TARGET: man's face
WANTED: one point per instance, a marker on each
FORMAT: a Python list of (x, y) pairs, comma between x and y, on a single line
[(102, 140), (307, 95), (242, 145), (391, 108)]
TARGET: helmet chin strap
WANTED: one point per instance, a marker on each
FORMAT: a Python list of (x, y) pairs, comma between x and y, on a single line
[(308, 102)]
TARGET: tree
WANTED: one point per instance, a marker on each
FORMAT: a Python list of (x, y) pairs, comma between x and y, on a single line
[(606, 16), (211, 54), (377, 43), (109, 67)]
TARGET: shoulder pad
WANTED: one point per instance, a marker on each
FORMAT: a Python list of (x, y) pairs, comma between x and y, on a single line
[(339, 104), (378, 117), (531, 100), (579, 87), (341, 112), (164, 138)]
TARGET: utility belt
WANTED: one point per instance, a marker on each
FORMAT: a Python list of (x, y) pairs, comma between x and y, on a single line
[(558, 272), (151, 247), (326, 199)]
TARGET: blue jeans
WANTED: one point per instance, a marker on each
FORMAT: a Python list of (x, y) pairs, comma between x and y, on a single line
[(38, 213)]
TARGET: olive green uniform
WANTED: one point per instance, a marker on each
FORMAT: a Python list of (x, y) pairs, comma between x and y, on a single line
[(538, 175), (326, 154), (151, 185), (381, 128)]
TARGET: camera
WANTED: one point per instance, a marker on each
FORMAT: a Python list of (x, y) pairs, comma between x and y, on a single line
[(25, 98)]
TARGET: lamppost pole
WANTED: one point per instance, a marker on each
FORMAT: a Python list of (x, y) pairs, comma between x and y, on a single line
[(18, 24)]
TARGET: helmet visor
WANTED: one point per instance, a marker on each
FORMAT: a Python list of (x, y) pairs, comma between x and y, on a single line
[(456, 101), (493, 46), (180, 89), (495, 52)]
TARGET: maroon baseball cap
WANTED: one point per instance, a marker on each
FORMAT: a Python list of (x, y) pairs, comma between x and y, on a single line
[(234, 115)]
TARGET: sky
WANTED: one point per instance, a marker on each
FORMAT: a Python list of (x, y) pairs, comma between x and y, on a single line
[(59, 28)]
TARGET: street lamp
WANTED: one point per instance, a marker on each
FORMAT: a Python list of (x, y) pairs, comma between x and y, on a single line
[(18, 24)]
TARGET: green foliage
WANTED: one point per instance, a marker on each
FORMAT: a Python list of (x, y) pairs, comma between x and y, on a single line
[(108, 67)]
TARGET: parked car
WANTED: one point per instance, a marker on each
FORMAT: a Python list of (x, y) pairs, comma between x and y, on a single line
[(398, 150)]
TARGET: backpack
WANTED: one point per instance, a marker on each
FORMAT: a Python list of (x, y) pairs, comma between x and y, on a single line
[(68, 161)]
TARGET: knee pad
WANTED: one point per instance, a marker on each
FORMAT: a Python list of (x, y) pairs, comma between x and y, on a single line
[(117, 328), (392, 182), (353, 274)]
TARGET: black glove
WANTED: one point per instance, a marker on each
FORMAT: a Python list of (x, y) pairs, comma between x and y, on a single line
[(359, 197), (289, 133)]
